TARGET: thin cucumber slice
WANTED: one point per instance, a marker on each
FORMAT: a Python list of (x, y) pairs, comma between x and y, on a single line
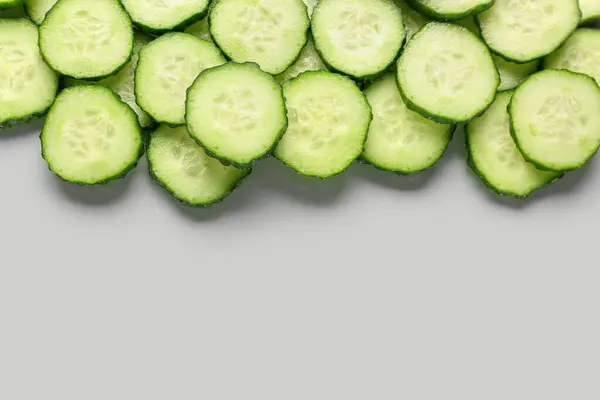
[(15, 12), (28, 85), (359, 38), (122, 83), (495, 158), (159, 16), (310, 6), (309, 60), (447, 74), (513, 74), (10, 3), (236, 112), (328, 122), (523, 31), (87, 39), (37, 9), (186, 172), (451, 9), (401, 140), (413, 20), (555, 119), (90, 136), (590, 10), (270, 33), (470, 24), (580, 53), (166, 69), (200, 29)]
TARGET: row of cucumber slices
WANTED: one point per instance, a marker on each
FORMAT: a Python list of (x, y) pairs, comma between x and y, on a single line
[(208, 88)]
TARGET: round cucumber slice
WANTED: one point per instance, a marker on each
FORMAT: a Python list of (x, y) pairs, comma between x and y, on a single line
[(37, 9), (159, 16), (413, 20), (555, 120), (200, 29), (451, 9), (90, 136), (513, 74), (309, 60), (590, 10)]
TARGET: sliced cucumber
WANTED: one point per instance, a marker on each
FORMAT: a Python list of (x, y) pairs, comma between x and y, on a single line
[(523, 31), (27, 85), (309, 60), (451, 9), (328, 122), (200, 29), (359, 38), (513, 74), (580, 53), (310, 5), (413, 20), (447, 74), (270, 33), (401, 140), (166, 69), (471, 24), (37, 9), (122, 83), (555, 119), (87, 39), (494, 156), (160, 16), (15, 12), (90, 136), (237, 112), (185, 171), (590, 10), (10, 3)]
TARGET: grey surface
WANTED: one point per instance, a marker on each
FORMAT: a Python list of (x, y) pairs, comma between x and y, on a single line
[(368, 286)]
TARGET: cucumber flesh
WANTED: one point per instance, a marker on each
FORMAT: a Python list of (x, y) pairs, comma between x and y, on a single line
[(14, 12), (580, 53), (270, 33), (87, 39), (166, 68), (184, 169), (37, 9), (309, 60), (200, 29), (590, 10), (328, 122), (310, 5), (413, 20), (447, 74), (513, 74), (523, 31), (160, 16), (494, 156), (28, 85), (451, 9), (237, 112), (90, 136), (399, 139), (10, 3), (359, 38), (555, 119)]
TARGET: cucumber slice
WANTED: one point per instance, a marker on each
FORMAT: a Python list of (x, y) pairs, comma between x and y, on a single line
[(166, 69), (236, 112), (495, 158), (159, 16), (270, 33), (470, 24), (310, 5), (10, 3), (200, 29), (186, 172), (447, 74), (359, 38), (590, 10), (309, 60), (523, 31), (37, 9), (15, 12), (122, 83), (328, 122), (413, 21), (555, 119), (580, 53), (90, 136), (513, 74), (401, 140), (27, 85), (87, 39), (451, 9)]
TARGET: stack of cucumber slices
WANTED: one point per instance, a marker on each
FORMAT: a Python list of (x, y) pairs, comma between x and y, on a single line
[(205, 89)]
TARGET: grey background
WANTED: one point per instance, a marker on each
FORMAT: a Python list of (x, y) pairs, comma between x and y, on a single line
[(367, 286)]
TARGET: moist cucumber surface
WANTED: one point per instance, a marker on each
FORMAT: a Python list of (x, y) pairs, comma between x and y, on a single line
[(309, 60), (184, 169), (494, 156), (200, 29), (236, 112), (555, 120), (359, 38), (412, 19), (513, 74), (37, 9), (165, 15), (580, 53), (270, 33), (90, 136), (86, 39), (451, 9), (328, 122), (310, 5), (27, 85), (524, 30), (590, 10), (399, 139), (447, 74), (166, 68)]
